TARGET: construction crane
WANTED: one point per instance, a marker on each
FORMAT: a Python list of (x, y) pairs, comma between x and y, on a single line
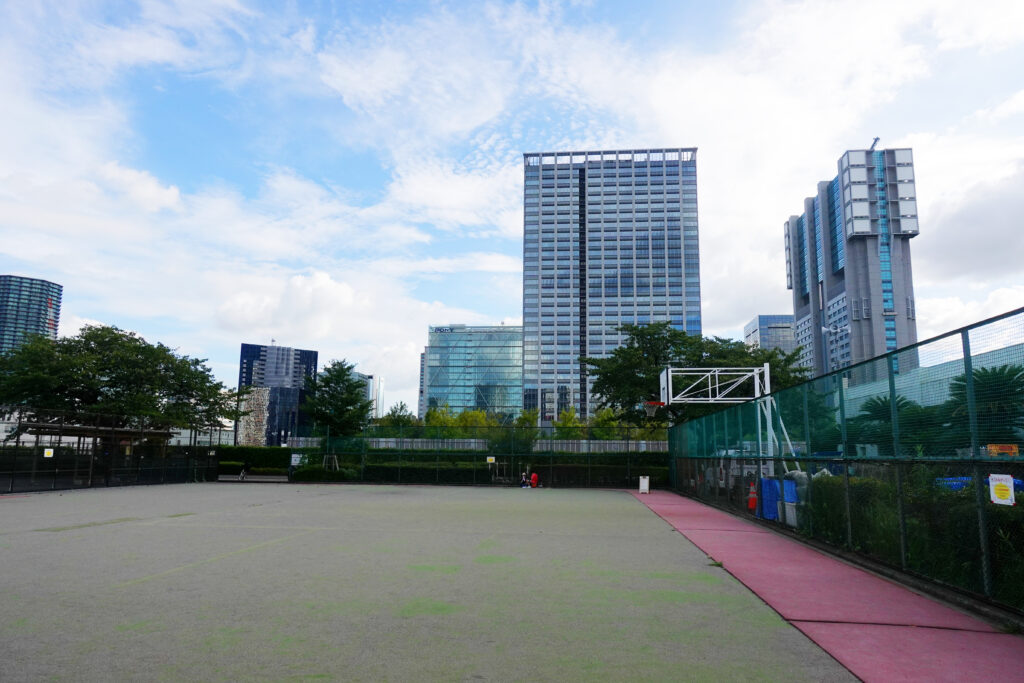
[(872, 148)]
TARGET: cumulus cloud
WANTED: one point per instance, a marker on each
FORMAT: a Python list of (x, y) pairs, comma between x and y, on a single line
[(446, 99)]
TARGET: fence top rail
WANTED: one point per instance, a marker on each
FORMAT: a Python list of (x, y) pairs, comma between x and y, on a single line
[(864, 363), (49, 428)]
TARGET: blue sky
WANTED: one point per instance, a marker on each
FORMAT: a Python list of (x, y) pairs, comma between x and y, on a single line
[(338, 176)]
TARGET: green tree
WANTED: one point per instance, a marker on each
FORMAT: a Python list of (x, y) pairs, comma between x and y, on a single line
[(398, 421), (873, 424), (605, 425), (517, 437), (568, 425), (108, 377), (629, 376), (336, 400), (998, 400), (474, 424)]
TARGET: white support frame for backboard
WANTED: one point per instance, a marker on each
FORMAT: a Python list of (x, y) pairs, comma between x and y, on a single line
[(720, 385), (713, 385)]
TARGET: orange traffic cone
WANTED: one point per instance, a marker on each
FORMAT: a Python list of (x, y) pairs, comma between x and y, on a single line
[(752, 498)]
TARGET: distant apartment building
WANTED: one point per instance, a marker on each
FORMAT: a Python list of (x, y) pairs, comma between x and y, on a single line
[(28, 306), (770, 332), (276, 376), (609, 238), (374, 387), (848, 262), (473, 368)]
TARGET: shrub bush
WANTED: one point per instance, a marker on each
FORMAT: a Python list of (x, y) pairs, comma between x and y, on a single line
[(229, 467), (317, 473)]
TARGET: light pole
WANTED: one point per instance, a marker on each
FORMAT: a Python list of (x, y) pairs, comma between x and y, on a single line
[(830, 333)]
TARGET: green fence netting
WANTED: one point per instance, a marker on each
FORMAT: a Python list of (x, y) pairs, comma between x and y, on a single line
[(899, 458)]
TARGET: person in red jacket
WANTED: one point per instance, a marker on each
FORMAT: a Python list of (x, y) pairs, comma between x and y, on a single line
[(533, 480)]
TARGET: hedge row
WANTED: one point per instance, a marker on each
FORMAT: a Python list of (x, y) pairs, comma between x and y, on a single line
[(941, 528), (261, 456)]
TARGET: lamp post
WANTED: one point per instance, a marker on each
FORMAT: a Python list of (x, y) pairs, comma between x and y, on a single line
[(830, 333)]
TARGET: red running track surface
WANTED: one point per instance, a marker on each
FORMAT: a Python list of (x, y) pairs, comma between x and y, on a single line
[(878, 629)]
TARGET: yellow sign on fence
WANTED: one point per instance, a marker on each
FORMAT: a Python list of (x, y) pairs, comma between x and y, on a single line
[(1002, 450), (1001, 489)]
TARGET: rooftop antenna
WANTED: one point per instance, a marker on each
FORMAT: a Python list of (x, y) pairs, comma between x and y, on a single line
[(872, 149)]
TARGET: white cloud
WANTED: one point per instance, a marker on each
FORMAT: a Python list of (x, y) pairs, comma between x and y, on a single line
[(446, 100), (1010, 107), (141, 187), (936, 316)]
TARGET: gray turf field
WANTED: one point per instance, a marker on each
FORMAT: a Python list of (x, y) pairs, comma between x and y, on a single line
[(228, 582)]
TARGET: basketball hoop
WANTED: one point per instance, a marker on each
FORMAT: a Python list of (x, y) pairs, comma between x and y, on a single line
[(652, 407)]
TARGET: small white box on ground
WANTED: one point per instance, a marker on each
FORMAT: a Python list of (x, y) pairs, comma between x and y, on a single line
[(645, 484), (790, 514)]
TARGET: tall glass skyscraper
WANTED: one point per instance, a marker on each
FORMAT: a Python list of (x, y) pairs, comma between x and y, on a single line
[(608, 238), (848, 262), (27, 306), (473, 368)]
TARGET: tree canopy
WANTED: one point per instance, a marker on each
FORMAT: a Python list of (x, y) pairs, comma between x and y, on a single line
[(111, 377), (398, 415), (629, 376), (998, 400), (336, 400)]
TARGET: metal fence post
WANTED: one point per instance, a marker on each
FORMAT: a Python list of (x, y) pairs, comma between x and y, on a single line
[(14, 463), (759, 475), (979, 498), (807, 452), (846, 459), (894, 414), (714, 451)]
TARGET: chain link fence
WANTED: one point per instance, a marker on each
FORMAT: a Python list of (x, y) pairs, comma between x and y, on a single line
[(911, 459), (613, 457), (44, 451)]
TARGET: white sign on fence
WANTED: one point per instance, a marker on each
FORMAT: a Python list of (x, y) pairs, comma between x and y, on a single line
[(1000, 488), (645, 484), (48, 453), (296, 459)]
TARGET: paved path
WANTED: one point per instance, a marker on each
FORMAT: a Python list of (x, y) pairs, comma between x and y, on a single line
[(879, 630)]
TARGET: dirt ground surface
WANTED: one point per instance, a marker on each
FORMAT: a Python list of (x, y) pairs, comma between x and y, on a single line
[(215, 582)]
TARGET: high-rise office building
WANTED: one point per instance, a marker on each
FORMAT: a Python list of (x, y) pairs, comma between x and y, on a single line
[(848, 261), (770, 332), (374, 386), (608, 238), (27, 306), (277, 376), (474, 368)]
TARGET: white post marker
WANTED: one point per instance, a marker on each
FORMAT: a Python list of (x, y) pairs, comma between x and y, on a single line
[(645, 484), (1000, 488)]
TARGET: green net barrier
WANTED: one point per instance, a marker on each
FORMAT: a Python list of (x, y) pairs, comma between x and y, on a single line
[(899, 458)]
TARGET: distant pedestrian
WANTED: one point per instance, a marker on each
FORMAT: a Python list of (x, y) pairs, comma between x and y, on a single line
[(523, 483), (244, 471), (534, 480)]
